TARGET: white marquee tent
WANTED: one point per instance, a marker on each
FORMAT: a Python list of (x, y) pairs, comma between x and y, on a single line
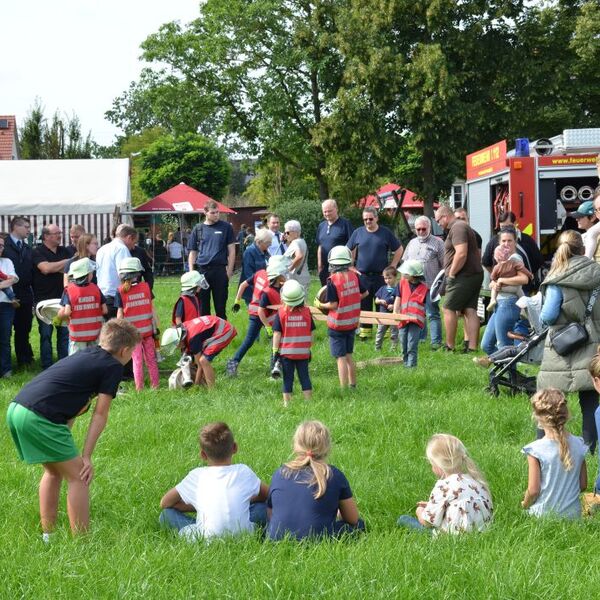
[(64, 192)]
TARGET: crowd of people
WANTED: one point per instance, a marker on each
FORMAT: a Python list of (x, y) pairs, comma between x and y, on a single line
[(106, 323)]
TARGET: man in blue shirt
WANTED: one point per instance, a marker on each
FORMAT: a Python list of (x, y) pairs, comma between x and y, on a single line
[(212, 252), (255, 258), (333, 231), (371, 246)]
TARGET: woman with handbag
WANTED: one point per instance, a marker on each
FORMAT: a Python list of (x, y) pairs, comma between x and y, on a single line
[(569, 291)]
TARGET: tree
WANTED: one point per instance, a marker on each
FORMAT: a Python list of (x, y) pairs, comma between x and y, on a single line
[(190, 159)]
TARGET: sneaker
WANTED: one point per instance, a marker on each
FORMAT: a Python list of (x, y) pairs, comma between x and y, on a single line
[(122, 391), (435, 347), (447, 348), (465, 345), (482, 361), (468, 350), (231, 367)]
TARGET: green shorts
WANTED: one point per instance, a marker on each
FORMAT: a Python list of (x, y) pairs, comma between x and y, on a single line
[(463, 291), (37, 439)]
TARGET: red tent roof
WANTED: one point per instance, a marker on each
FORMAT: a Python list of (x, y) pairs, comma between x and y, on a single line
[(410, 199), (180, 198)]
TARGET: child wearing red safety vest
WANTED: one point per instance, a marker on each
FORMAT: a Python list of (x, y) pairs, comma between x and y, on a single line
[(292, 339), (133, 301), (410, 301), (84, 305), (266, 287), (344, 293), (187, 306)]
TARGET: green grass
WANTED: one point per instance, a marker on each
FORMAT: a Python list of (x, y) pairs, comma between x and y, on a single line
[(379, 433)]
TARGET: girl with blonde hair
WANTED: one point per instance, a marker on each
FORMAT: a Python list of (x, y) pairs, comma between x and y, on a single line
[(557, 471), (307, 495), (460, 500)]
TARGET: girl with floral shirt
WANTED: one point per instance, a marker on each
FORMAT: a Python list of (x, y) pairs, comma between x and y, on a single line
[(460, 500)]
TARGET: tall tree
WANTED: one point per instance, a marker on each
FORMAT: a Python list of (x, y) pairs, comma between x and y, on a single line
[(31, 134)]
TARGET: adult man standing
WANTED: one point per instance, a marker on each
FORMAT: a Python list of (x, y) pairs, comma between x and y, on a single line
[(371, 246), (19, 252), (526, 248), (75, 233), (429, 250), (464, 276), (212, 252), (333, 231), (277, 247), (107, 262), (49, 260)]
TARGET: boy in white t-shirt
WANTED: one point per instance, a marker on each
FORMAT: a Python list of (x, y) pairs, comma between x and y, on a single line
[(227, 498)]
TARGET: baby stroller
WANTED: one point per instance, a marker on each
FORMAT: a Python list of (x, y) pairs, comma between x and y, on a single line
[(504, 371)]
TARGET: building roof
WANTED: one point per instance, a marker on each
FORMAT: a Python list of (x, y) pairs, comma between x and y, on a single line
[(411, 200), (180, 198), (9, 145)]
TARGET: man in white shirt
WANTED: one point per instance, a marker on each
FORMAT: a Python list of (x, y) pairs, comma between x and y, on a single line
[(107, 262), (277, 247)]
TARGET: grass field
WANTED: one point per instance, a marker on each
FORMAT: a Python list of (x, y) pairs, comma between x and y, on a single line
[(379, 431)]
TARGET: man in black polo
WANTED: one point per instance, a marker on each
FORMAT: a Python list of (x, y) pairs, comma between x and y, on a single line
[(333, 231), (49, 261), (212, 252), (16, 248)]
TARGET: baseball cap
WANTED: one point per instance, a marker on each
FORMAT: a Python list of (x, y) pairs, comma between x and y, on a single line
[(585, 209)]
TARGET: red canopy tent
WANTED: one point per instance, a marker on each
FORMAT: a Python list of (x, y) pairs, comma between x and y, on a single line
[(179, 199), (411, 200)]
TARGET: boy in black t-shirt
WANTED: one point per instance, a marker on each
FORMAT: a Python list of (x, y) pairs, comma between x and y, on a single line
[(42, 414)]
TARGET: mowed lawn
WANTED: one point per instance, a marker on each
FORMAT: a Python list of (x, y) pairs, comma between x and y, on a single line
[(379, 430)]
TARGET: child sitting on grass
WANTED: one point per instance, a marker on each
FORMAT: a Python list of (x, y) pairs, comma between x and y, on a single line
[(41, 416), (308, 497), (384, 299), (507, 265), (292, 339), (460, 500), (557, 471), (410, 301), (227, 498)]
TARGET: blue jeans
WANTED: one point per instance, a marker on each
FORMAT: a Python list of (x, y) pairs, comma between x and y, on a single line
[(409, 343), (254, 326), (288, 366), (62, 343), (7, 314), (171, 518), (432, 309), (503, 320), (412, 523)]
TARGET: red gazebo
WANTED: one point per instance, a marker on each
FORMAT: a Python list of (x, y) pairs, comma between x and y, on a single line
[(179, 199)]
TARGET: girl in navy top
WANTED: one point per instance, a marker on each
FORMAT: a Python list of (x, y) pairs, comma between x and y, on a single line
[(307, 493)]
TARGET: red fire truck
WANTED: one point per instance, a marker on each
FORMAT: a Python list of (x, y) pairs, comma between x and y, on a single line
[(541, 182)]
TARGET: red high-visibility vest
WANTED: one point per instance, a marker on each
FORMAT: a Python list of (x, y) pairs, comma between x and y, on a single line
[(347, 315), (296, 333), (260, 281), (86, 318), (412, 303), (274, 297), (137, 307), (191, 308), (223, 333)]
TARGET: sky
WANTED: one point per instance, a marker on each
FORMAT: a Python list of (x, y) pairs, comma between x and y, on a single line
[(77, 55)]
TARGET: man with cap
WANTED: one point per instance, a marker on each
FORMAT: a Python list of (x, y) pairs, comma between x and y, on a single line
[(587, 220), (203, 338)]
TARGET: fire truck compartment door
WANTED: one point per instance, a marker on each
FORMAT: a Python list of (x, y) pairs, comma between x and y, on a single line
[(480, 208), (568, 173)]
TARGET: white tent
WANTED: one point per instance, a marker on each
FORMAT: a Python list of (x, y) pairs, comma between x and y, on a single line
[(64, 192)]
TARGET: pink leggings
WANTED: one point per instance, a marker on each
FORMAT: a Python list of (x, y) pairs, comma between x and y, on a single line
[(144, 352)]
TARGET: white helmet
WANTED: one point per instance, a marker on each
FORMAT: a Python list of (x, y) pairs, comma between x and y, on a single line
[(193, 279), (277, 266), (81, 268), (47, 310), (171, 339), (339, 255), (130, 265), (292, 293)]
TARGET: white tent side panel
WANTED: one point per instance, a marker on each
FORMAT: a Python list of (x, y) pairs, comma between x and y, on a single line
[(64, 192)]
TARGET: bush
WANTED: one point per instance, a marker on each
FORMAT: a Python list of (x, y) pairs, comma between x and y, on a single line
[(308, 212)]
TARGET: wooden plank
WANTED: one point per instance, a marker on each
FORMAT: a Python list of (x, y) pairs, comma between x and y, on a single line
[(380, 362), (367, 317)]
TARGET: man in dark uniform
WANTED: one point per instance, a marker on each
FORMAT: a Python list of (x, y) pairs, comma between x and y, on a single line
[(212, 253), (333, 231)]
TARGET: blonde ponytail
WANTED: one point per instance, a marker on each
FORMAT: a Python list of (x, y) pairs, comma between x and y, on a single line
[(570, 244)]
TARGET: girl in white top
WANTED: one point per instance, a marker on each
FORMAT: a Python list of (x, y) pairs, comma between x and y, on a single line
[(297, 251), (7, 310), (557, 471), (460, 500)]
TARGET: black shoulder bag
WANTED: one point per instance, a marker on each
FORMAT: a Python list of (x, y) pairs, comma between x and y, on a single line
[(574, 335)]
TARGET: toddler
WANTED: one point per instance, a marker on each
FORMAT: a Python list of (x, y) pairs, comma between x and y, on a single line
[(460, 500), (8, 291), (557, 471), (384, 299), (292, 339), (187, 306), (134, 303), (227, 498), (307, 496), (507, 265), (410, 301)]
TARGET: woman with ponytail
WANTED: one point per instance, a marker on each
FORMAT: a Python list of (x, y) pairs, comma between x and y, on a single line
[(567, 290), (460, 500), (557, 471), (309, 497)]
